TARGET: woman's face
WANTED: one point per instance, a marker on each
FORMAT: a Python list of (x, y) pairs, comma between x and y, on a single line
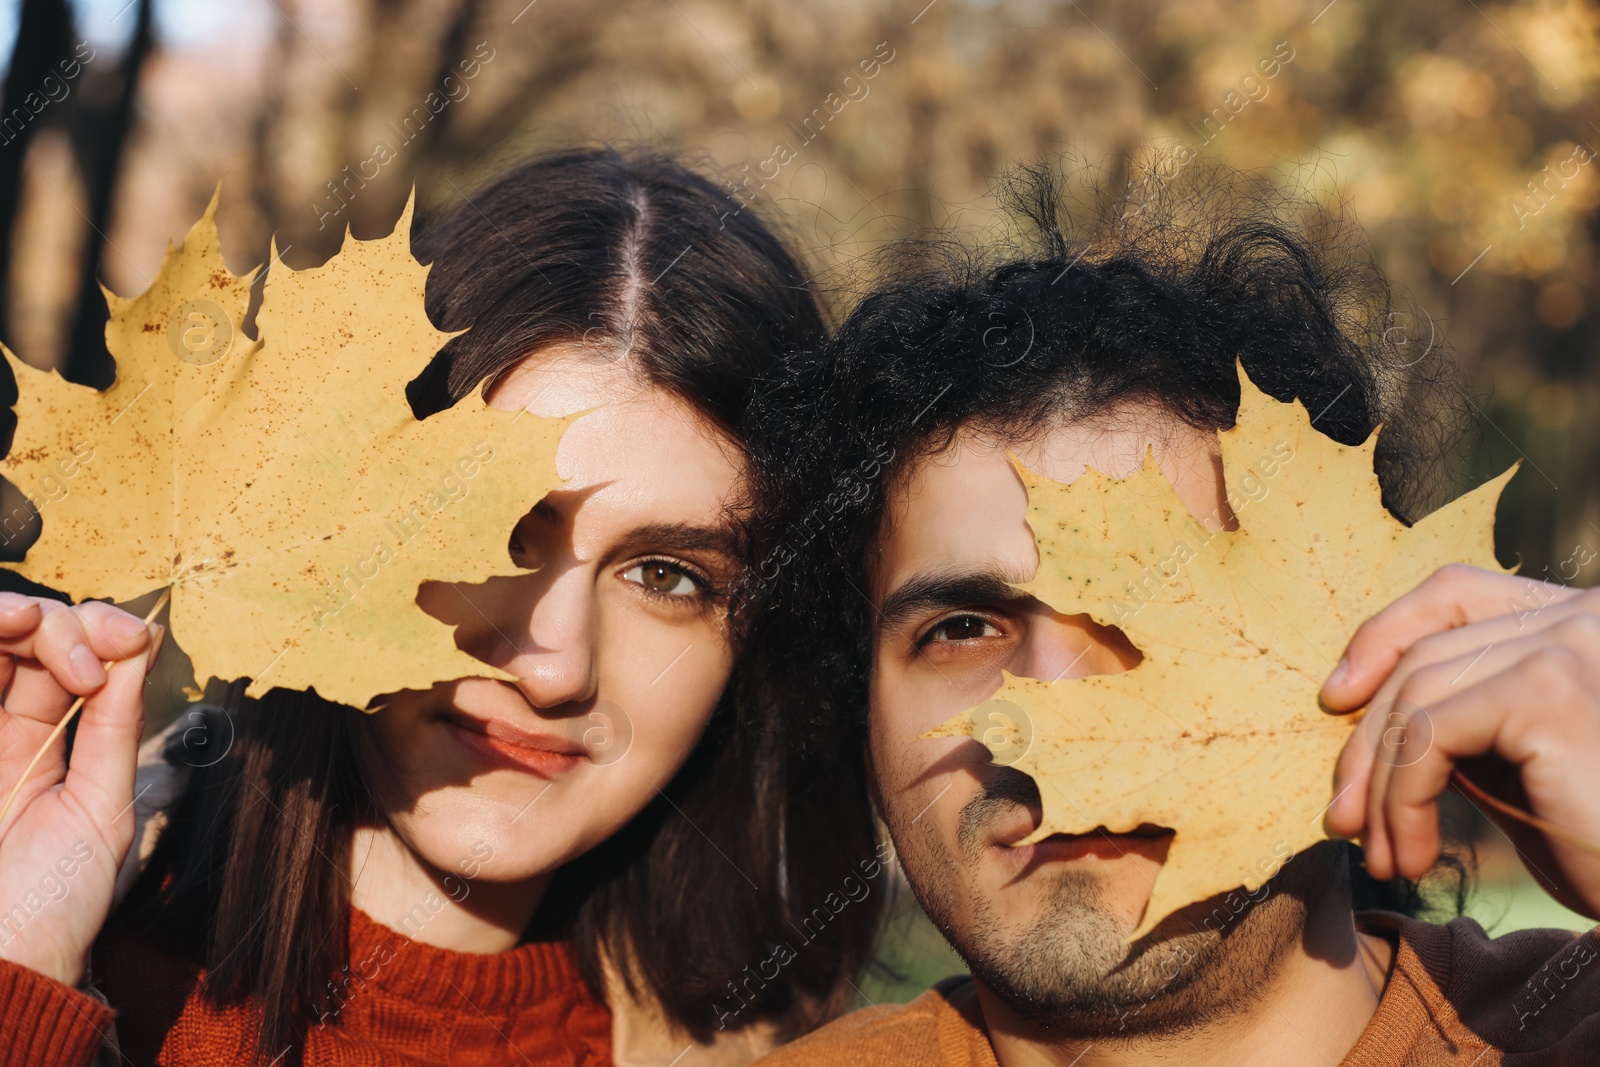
[(616, 634)]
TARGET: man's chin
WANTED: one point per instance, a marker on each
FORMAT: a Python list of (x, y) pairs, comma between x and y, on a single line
[(1070, 968), (1074, 970)]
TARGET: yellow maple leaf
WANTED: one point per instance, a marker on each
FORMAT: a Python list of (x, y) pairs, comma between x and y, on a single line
[(281, 488), (1216, 734)]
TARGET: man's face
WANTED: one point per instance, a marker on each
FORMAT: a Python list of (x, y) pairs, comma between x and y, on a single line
[(1043, 926)]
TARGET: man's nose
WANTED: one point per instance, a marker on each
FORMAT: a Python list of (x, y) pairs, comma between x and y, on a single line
[(1060, 646)]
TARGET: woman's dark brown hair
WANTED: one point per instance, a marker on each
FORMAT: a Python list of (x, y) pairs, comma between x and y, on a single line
[(648, 261)]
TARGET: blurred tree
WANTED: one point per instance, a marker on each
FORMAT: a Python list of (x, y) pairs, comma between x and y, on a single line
[(1459, 137), (100, 120), (44, 39)]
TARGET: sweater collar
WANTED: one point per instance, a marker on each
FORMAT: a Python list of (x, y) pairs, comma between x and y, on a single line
[(495, 983)]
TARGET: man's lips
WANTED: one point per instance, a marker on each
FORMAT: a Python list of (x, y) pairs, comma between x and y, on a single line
[(1145, 840), (1099, 844), (501, 743)]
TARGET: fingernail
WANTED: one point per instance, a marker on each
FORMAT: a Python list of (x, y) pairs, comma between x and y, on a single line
[(1340, 671), (86, 665), (14, 602), (124, 627)]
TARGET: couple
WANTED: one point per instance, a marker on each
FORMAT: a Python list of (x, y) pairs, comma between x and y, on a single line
[(777, 559)]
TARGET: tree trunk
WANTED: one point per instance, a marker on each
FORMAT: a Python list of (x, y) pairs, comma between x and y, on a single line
[(44, 39), (100, 134)]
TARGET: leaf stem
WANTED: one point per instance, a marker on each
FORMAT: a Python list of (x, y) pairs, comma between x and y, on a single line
[(166, 594)]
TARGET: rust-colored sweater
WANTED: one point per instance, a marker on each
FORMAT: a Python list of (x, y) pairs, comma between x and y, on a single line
[(401, 1004), (1455, 998)]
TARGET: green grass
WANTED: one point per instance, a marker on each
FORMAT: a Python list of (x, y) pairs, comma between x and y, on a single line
[(1519, 904)]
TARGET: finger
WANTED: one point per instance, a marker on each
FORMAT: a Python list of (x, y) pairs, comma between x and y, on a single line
[(1442, 664), (60, 644), (1451, 597), (8, 669), (105, 753), (18, 614), (1392, 733), (36, 692), (37, 699), (1533, 715), (74, 643), (113, 634), (1398, 729), (1347, 815)]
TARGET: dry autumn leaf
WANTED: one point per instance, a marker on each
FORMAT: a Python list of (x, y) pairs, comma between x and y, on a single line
[(1216, 734), (281, 488)]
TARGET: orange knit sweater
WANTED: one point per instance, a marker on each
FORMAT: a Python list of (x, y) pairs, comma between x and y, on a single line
[(402, 1003)]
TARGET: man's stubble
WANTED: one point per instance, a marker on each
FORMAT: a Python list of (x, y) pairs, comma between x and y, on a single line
[(1068, 967)]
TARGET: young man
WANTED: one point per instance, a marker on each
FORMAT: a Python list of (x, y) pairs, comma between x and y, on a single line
[(899, 594)]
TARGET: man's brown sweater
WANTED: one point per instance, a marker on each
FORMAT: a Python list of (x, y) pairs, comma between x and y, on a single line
[(1455, 998)]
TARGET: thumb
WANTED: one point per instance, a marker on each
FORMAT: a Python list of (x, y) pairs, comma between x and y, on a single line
[(105, 752)]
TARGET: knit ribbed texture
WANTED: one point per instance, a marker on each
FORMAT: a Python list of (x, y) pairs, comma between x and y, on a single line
[(42, 1022), (1454, 999), (402, 1004)]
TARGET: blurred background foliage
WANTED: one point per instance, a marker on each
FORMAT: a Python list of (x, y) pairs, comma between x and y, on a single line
[(1458, 133)]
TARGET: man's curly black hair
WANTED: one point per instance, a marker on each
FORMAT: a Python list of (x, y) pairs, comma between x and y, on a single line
[(1167, 287)]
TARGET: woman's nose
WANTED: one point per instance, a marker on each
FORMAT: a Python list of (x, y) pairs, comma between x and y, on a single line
[(540, 627)]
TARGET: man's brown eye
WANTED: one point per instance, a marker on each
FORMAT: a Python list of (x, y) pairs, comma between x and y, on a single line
[(963, 628)]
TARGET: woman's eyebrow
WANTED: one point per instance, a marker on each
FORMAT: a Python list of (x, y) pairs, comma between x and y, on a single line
[(686, 537), (937, 591)]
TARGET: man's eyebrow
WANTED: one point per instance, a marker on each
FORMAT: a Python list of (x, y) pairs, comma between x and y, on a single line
[(925, 592)]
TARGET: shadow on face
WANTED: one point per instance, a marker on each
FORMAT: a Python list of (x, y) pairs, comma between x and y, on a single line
[(1044, 922), (615, 637)]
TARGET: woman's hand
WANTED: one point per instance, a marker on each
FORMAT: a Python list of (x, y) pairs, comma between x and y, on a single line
[(1498, 675), (70, 826)]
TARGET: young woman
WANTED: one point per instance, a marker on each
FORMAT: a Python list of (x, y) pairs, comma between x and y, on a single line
[(586, 863)]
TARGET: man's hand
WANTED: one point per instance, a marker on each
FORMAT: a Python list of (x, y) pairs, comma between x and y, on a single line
[(65, 836), (1493, 673)]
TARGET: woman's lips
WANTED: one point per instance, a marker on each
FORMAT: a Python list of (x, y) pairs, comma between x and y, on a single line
[(500, 744)]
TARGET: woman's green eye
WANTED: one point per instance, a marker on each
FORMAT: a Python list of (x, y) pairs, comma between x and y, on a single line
[(662, 578)]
